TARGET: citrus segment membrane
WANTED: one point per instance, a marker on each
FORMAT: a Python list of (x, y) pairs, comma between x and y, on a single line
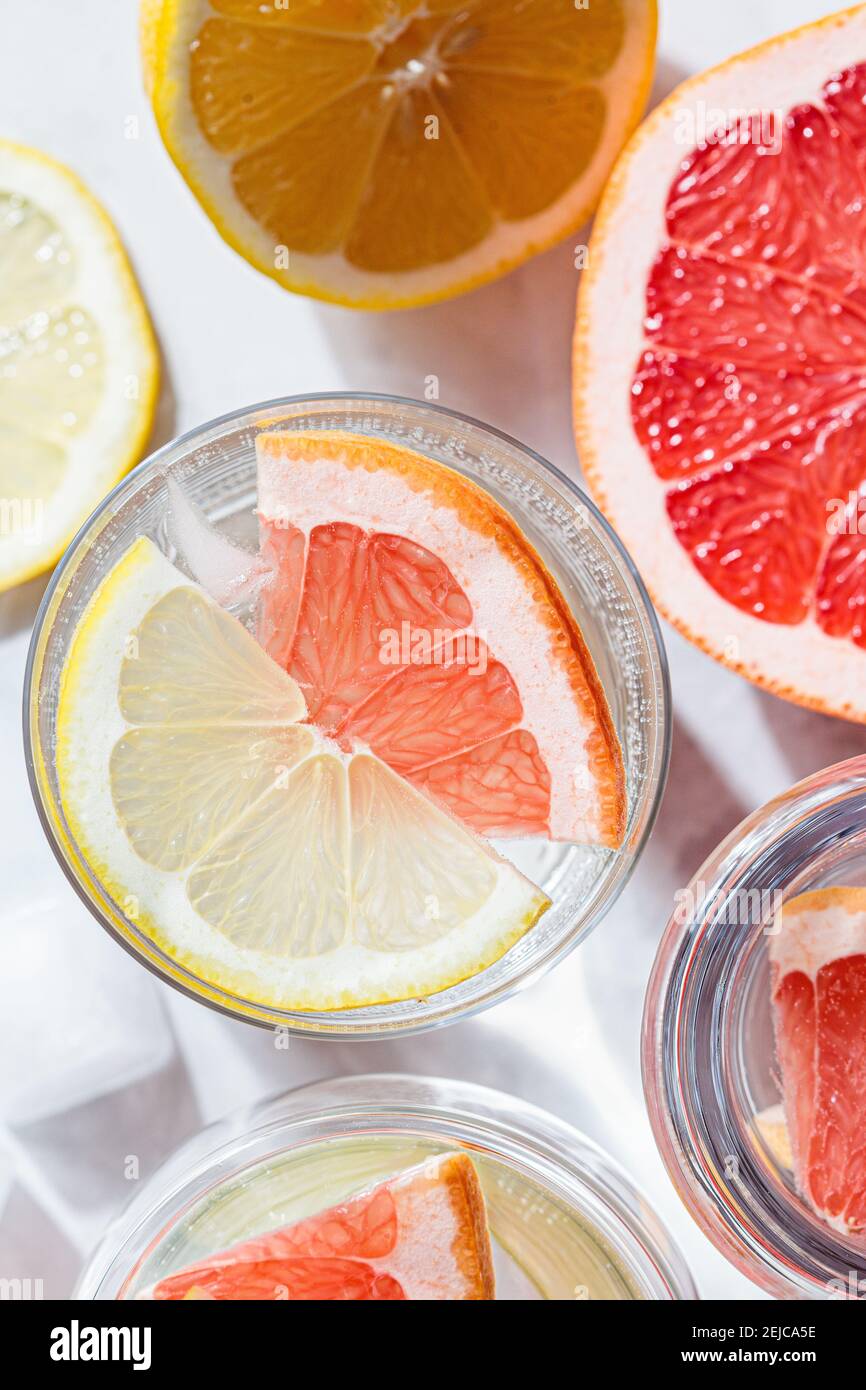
[(818, 960), (385, 153), (420, 624), (253, 850), (419, 1235), (78, 366), (751, 390)]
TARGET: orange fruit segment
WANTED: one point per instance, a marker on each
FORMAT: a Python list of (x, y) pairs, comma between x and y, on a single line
[(720, 422), (420, 1235), (419, 623), (818, 959), (395, 151)]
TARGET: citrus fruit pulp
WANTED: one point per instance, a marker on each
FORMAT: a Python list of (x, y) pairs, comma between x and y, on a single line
[(395, 151), (419, 1235), (719, 383), (418, 621), (78, 362), (253, 851), (818, 963)]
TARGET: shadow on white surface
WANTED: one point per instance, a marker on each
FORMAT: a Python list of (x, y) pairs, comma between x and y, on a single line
[(807, 740)]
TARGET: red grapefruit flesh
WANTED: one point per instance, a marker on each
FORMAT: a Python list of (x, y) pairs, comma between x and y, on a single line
[(441, 643), (420, 1235), (739, 434), (818, 959)]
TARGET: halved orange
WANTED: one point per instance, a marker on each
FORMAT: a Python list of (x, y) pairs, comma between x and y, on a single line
[(420, 1235), (419, 622), (720, 361), (391, 152)]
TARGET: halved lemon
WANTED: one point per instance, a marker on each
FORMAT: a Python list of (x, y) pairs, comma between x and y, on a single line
[(78, 361), (390, 152), (245, 844)]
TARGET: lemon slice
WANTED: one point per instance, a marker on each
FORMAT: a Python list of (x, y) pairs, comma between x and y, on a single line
[(390, 152), (259, 855), (78, 363)]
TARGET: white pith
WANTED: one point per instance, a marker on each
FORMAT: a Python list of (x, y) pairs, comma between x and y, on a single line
[(423, 1262), (814, 930), (801, 662)]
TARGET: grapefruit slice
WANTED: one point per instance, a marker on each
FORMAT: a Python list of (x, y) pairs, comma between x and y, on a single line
[(392, 152), (818, 963), (250, 848), (420, 1235), (418, 622), (720, 362)]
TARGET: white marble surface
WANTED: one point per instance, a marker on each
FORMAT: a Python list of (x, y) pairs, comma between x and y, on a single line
[(69, 82)]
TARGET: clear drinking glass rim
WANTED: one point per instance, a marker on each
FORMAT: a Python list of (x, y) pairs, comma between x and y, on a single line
[(663, 713), (552, 1151), (781, 1245)]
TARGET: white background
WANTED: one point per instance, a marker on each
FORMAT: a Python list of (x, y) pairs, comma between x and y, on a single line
[(69, 82)]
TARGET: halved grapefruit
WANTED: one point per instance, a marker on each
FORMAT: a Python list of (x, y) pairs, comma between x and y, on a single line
[(720, 361), (419, 622), (818, 963), (420, 1235)]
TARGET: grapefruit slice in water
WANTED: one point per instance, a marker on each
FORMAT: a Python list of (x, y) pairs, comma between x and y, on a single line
[(720, 378), (818, 963), (420, 1235), (419, 622)]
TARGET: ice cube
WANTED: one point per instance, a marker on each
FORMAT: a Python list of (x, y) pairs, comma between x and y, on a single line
[(78, 1017), (229, 573)]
